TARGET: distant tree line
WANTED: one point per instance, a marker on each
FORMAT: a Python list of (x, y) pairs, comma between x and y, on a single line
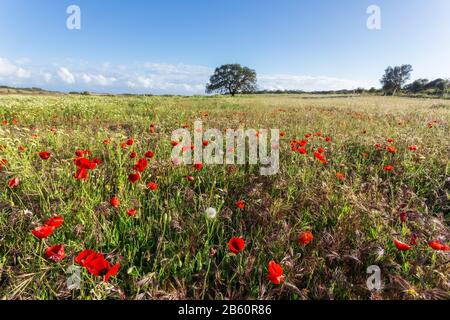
[(395, 78)]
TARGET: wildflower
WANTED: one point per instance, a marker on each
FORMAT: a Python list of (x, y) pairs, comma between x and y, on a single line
[(402, 246), (388, 168), (133, 155), (438, 246), (328, 139), (340, 176), (275, 273), (152, 186), (320, 150), (305, 238), (190, 178), (14, 182), (240, 204), (131, 212), (55, 221), (211, 213), (149, 154), (141, 165), (403, 216), (115, 202), (81, 174), (236, 245), (412, 148), (198, 166), (55, 253), (112, 272), (106, 142), (43, 232), (391, 149), (130, 142), (205, 143), (134, 177), (44, 155)]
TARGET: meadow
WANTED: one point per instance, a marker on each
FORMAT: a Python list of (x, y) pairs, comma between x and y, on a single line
[(363, 181)]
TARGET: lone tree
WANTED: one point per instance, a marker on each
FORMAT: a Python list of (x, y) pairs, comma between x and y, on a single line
[(395, 77), (232, 79)]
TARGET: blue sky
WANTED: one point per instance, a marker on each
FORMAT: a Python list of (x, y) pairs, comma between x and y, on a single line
[(172, 46)]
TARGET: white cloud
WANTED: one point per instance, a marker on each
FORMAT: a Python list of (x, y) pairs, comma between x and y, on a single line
[(66, 75), (10, 70), (158, 78), (306, 83)]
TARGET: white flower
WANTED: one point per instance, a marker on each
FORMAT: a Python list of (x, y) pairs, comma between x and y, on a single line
[(211, 213)]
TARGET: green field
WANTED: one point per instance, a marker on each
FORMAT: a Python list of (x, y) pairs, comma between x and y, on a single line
[(171, 250)]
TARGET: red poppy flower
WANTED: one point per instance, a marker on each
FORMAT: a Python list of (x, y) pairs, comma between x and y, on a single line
[(308, 135), (190, 178), (22, 148), (413, 240), (80, 153), (390, 140), (403, 216), (402, 246), (3, 162), (328, 139), (81, 174), (388, 168), (115, 202), (14, 182), (174, 143), (55, 221), (152, 186), (437, 245), (106, 142), (149, 154), (391, 149), (85, 163), (97, 265), (134, 177), (83, 255), (236, 245), (413, 148), (305, 238), (97, 160), (340, 176), (44, 155), (302, 143), (302, 150), (112, 272), (205, 143), (198, 166), (275, 273), (141, 165), (320, 157), (282, 134), (152, 128), (43, 231), (131, 212), (240, 204), (130, 142), (320, 150), (133, 155), (55, 253)]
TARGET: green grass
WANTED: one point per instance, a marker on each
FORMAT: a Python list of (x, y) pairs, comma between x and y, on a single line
[(165, 250)]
